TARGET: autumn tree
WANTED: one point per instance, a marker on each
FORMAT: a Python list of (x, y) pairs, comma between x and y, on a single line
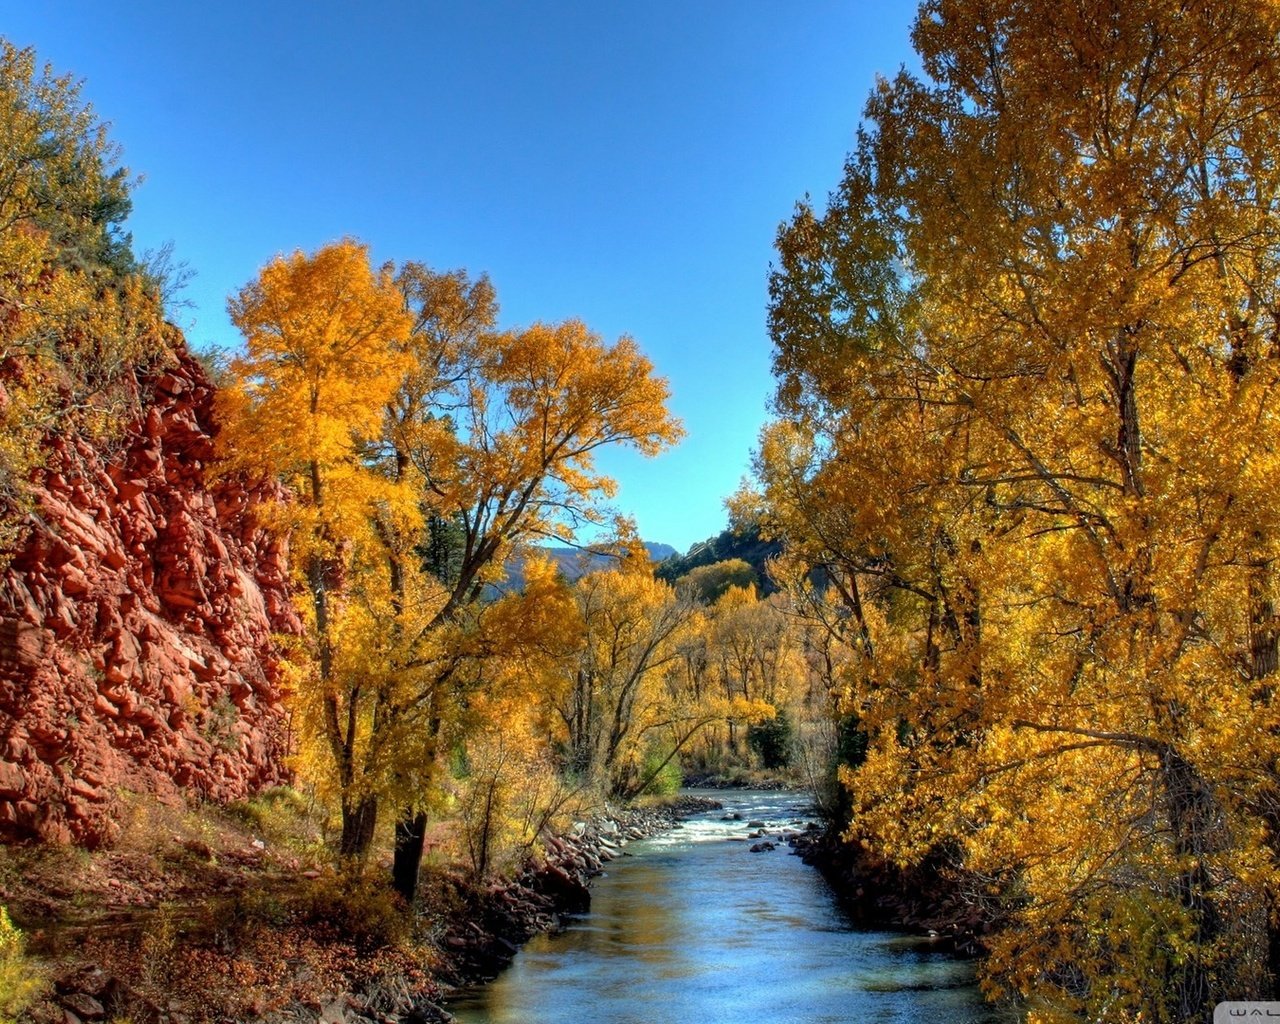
[(635, 691), (750, 649), (629, 624), (325, 338), (752, 641), (833, 650), (1027, 376), (707, 583), (502, 438), (423, 446), (511, 791)]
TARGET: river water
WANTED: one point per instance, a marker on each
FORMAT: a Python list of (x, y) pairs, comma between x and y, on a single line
[(693, 928)]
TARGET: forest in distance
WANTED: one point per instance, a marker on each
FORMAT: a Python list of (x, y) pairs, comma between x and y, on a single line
[(1002, 591)]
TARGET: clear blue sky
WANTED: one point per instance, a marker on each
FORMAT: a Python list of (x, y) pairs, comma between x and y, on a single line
[(627, 164)]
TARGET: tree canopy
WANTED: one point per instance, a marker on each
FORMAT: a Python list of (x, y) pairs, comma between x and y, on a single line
[(1027, 369), (423, 445)]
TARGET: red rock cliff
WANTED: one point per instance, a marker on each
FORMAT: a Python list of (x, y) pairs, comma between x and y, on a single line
[(136, 624)]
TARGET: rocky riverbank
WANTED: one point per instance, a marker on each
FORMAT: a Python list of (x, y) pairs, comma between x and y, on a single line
[(932, 898), (741, 778)]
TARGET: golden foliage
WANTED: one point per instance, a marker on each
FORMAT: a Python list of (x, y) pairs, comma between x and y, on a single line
[(423, 447), (325, 352), (21, 980), (652, 670), (324, 336), (1028, 370), (610, 688)]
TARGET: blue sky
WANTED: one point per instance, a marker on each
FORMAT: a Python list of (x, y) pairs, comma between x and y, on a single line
[(627, 164)]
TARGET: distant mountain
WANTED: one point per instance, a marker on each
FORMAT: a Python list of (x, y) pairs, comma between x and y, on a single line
[(745, 544), (575, 562)]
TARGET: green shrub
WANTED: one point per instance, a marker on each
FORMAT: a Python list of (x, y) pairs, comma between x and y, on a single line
[(277, 807), (771, 740), (667, 779), (286, 818)]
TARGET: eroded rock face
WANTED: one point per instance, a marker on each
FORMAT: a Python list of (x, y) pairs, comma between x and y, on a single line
[(136, 623)]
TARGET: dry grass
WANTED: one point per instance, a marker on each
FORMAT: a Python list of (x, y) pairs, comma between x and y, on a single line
[(213, 912)]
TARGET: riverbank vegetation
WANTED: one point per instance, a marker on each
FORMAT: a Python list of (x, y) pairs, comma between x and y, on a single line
[(206, 913), (423, 449), (1027, 384)]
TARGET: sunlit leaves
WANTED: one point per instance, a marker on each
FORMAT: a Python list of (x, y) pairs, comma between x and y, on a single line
[(1027, 371), (324, 336), (422, 447)]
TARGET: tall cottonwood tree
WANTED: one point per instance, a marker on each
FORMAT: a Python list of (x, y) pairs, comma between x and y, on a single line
[(423, 446), (324, 353), (1027, 366), (503, 440)]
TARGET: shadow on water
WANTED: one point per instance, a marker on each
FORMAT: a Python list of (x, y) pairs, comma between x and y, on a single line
[(695, 927)]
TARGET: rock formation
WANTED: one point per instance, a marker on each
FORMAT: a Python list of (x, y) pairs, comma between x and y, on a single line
[(136, 622)]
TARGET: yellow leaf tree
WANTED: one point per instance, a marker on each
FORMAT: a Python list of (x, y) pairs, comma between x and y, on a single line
[(423, 446), (629, 626), (1027, 369), (501, 435), (325, 338)]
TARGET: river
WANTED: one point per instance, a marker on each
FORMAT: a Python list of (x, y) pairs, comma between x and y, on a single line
[(693, 928)]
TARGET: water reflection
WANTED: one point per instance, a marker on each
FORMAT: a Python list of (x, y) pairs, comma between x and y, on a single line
[(694, 927)]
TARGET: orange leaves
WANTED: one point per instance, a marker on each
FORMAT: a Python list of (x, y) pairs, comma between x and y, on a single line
[(538, 624), (324, 337), (565, 393), (503, 425)]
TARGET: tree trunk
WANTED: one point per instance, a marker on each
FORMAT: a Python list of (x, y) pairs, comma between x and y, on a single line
[(1264, 626), (411, 836), (1195, 819), (358, 823), (411, 829), (634, 791)]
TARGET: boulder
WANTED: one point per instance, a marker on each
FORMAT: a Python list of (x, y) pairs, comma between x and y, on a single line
[(84, 1006), (424, 1011)]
